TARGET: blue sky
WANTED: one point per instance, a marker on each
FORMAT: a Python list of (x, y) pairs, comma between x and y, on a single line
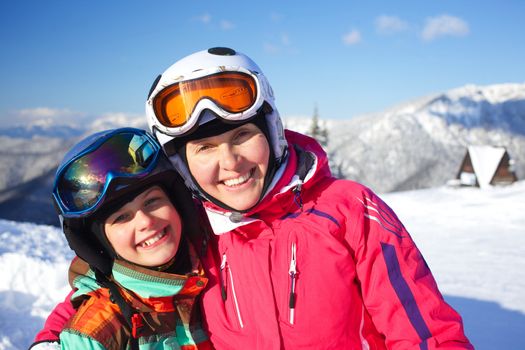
[(81, 59)]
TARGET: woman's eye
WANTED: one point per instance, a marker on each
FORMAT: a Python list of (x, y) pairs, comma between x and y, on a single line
[(242, 136), (202, 148)]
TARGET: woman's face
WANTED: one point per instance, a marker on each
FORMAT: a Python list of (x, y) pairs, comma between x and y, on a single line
[(147, 230), (231, 166)]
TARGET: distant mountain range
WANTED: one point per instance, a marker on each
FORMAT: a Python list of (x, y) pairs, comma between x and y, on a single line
[(418, 144), (51, 131)]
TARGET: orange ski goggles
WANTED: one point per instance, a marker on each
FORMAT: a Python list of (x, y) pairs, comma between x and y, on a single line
[(232, 95), (234, 92)]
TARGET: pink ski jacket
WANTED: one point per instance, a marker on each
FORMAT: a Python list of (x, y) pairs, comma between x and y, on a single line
[(320, 263)]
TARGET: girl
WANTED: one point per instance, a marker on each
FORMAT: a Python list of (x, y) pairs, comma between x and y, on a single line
[(128, 218)]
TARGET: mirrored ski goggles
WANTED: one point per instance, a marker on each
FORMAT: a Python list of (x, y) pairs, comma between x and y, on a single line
[(179, 105), (82, 183)]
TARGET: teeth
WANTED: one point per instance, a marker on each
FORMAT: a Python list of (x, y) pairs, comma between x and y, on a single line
[(154, 239), (238, 181)]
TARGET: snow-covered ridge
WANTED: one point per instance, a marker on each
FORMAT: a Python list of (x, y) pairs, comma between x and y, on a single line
[(67, 129), (494, 94), (36, 130)]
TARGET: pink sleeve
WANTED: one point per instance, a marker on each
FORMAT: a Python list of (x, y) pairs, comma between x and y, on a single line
[(398, 288), (56, 320)]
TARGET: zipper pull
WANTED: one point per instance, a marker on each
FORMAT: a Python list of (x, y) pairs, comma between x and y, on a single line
[(221, 278), (297, 196), (293, 272)]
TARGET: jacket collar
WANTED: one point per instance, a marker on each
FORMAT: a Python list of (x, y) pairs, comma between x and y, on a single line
[(144, 282)]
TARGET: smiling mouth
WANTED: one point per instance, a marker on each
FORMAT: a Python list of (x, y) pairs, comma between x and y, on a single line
[(153, 239), (239, 180)]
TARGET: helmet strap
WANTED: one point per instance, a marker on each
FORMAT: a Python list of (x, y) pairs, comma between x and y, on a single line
[(116, 297)]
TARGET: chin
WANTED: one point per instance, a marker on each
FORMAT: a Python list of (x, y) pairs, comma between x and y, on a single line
[(158, 261), (242, 207), (244, 204)]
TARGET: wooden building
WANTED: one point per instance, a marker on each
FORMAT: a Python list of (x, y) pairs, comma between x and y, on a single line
[(483, 166)]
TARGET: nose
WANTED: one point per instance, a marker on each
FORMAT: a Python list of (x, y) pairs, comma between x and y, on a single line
[(143, 220), (228, 157)]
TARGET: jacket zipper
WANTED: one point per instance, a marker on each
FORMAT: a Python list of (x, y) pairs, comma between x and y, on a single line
[(221, 278), (364, 342), (226, 267), (293, 272)]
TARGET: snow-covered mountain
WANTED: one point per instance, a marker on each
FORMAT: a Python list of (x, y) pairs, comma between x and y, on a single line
[(418, 144), (472, 241), (55, 131), (421, 144), (29, 156)]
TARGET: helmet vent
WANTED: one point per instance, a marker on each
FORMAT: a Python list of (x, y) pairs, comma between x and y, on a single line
[(222, 51)]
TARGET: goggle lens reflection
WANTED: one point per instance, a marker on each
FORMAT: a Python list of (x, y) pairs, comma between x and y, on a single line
[(84, 181)]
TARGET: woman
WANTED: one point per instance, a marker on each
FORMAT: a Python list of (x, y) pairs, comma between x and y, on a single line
[(298, 258)]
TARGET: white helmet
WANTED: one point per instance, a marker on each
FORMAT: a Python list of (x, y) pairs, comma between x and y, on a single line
[(218, 83)]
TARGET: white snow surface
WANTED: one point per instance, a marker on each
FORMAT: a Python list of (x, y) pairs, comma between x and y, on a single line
[(472, 239)]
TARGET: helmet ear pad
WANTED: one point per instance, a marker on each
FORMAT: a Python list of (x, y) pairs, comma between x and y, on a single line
[(82, 242)]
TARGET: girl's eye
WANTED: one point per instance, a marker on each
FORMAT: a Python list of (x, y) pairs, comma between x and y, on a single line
[(121, 218), (151, 201)]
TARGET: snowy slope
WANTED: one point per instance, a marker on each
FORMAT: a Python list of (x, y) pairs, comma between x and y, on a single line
[(472, 240), (34, 262)]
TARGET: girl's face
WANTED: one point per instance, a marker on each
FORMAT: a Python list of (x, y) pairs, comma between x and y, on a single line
[(147, 230), (231, 166)]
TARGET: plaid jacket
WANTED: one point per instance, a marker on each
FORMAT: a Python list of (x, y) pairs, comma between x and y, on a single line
[(167, 311)]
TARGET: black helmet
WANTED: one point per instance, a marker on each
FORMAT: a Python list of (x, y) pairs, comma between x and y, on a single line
[(100, 174)]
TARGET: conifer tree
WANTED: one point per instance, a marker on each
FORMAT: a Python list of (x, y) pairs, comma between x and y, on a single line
[(316, 131)]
